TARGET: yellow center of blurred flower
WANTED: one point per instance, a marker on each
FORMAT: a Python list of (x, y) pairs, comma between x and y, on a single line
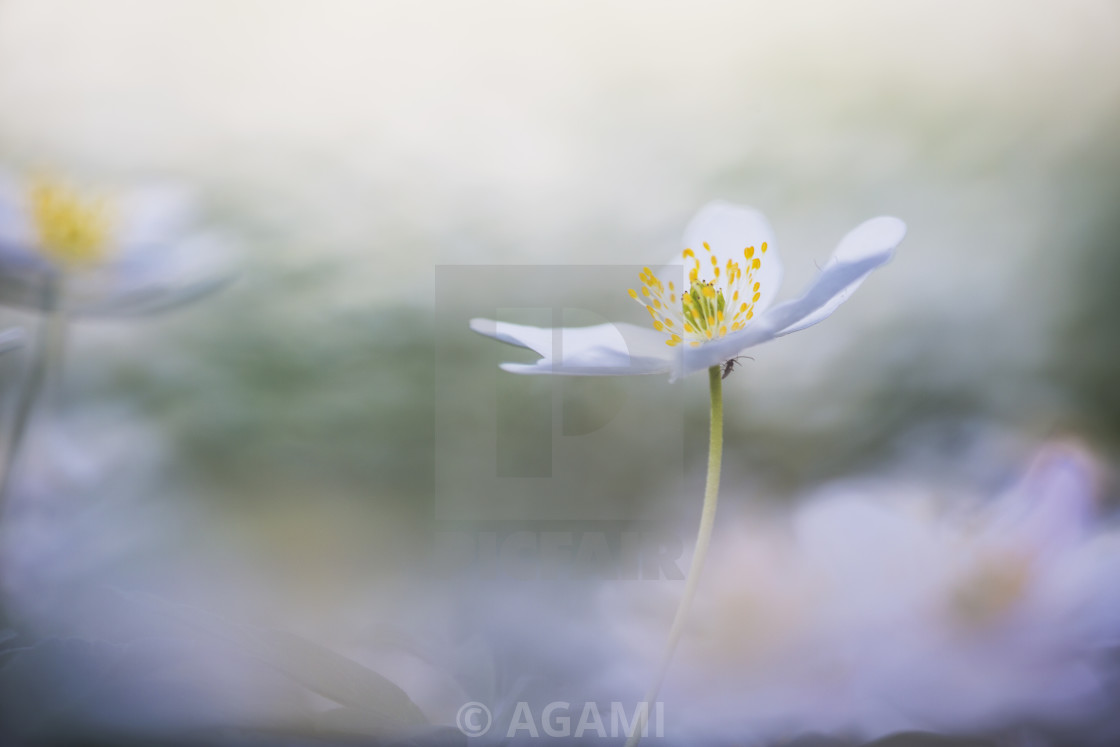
[(71, 229), (717, 301), (993, 588)]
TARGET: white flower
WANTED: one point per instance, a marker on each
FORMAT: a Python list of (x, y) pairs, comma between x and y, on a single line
[(713, 302), (127, 254)]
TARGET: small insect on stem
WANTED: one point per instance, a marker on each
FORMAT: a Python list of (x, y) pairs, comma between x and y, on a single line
[(729, 365)]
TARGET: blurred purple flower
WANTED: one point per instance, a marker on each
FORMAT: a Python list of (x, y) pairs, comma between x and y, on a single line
[(871, 614)]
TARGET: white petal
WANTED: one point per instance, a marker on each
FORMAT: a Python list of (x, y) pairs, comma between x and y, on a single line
[(1053, 505), (865, 248), (165, 277), (729, 229), (601, 350), (148, 217), (717, 351), (11, 339)]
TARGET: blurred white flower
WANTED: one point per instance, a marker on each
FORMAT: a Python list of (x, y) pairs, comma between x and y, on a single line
[(67, 254), (722, 308), (871, 616), (125, 254)]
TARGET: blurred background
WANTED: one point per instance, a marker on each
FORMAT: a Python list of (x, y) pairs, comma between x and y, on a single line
[(270, 455)]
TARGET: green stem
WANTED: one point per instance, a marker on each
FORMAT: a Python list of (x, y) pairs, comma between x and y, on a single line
[(703, 539), (45, 355)]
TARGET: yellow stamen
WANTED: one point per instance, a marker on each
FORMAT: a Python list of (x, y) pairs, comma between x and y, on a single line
[(70, 229), (710, 307)]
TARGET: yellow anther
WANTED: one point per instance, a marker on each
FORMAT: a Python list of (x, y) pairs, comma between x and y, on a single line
[(70, 229), (710, 306), (764, 247)]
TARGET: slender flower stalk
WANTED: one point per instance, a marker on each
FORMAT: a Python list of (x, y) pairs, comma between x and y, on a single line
[(46, 359), (703, 539)]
